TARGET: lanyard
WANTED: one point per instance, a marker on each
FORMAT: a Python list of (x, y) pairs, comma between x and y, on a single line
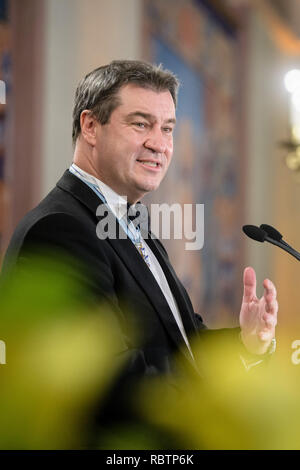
[(129, 228)]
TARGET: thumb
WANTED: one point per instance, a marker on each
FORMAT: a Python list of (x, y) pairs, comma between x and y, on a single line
[(249, 284)]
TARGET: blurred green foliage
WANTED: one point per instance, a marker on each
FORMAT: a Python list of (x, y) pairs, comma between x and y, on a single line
[(229, 408), (62, 355)]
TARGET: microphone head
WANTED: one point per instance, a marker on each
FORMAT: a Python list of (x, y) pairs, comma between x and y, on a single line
[(271, 232), (255, 233)]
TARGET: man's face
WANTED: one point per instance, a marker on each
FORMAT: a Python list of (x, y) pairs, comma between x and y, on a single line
[(133, 151)]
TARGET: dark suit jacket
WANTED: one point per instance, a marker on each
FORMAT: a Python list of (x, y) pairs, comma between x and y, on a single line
[(66, 221)]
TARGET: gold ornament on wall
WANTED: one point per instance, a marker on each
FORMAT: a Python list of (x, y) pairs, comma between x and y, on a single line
[(292, 145)]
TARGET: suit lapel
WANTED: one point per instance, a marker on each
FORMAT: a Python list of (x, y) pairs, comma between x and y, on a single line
[(144, 277), (175, 286), (137, 266)]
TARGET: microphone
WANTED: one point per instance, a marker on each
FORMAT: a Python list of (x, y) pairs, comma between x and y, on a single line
[(273, 233), (261, 235), (255, 233)]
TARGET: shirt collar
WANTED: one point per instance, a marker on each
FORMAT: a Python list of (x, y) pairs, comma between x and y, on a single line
[(117, 203)]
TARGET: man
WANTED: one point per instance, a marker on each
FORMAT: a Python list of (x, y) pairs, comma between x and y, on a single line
[(123, 123)]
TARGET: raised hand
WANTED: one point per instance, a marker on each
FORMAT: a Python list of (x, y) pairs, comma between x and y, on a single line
[(258, 317)]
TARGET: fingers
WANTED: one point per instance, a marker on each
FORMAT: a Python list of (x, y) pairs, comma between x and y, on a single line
[(249, 284), (270, 289), (270, 317), (270, 320), (270, 297)]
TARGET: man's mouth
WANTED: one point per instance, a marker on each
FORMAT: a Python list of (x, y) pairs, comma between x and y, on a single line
[(150, 163)]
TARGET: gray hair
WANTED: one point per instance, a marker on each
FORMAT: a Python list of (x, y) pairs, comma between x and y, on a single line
[(98, 91)]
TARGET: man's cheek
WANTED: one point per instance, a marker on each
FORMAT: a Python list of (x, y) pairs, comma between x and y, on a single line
[(169, 158), (170, 151)]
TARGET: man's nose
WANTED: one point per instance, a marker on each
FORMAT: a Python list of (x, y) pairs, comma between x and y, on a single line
[(156, 142)]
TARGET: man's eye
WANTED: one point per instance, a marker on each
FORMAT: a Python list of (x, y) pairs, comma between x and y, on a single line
[(141, 125), (168, 130)]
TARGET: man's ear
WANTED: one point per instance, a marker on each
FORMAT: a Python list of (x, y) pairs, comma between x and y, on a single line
[(88, 124)]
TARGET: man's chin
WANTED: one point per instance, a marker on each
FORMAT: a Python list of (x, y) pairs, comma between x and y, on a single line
[(151, 184), (149, 187), (144, 187)]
